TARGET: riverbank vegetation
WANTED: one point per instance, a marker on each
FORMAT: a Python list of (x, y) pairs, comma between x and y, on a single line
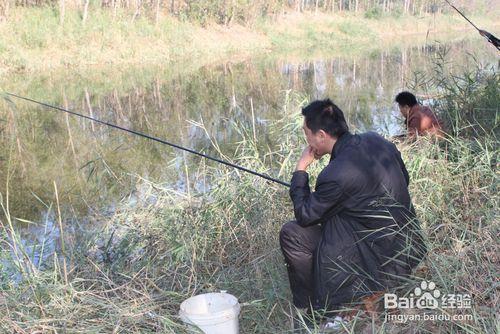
[(45, 145), (46, 35), (160, 245), (245, 11)]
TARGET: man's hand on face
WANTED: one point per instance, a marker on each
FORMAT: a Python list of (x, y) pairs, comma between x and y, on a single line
[(316, 155), (308, 156)]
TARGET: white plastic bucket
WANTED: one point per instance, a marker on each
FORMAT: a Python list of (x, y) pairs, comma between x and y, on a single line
[(212, 313)]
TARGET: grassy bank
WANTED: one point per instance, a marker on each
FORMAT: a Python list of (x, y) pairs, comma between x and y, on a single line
[(33, 39), (131, 275)]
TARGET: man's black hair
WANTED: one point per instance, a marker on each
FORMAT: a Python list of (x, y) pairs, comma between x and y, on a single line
[(406, 99), (325, 115)]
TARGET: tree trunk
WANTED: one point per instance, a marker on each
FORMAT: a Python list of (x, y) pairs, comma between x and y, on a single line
[(62, 10), (137, 10), (70, 136), (422, 5), (404, 61), (85, 11), (89, 105), (354, 73), (382, 68), (158, 93), (116, 3), (157, 12), (4, 10)]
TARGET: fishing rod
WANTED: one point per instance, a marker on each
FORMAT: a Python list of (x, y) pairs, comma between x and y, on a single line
[(465, 17), (490, 37), (140, 134)]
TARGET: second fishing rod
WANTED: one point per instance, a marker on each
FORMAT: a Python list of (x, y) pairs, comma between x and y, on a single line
[(147, 136), (489, 36)]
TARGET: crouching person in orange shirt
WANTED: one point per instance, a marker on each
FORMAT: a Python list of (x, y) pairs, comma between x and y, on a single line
[(419, 119)]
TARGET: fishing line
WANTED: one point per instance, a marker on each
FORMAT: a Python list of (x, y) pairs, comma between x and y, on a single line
[(144, 135)]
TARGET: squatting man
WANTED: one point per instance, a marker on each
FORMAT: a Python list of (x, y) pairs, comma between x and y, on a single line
[(356, 235)]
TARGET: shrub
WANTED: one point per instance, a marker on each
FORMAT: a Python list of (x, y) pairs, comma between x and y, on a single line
[(373, 13)]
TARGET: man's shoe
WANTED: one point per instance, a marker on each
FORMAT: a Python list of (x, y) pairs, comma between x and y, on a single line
[(303, 322), (331, 325)]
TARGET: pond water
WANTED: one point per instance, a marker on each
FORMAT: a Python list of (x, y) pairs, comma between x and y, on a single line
[(94, 167)]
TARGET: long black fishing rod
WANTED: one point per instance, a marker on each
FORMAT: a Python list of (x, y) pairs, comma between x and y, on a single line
[(465, 17), (140, 134), (490, 37)]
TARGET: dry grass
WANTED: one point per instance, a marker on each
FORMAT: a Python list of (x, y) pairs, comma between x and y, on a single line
[(33, 40), (131, 274)]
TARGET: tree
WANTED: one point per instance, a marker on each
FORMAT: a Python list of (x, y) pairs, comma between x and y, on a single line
[(85, 11), (4, 9)]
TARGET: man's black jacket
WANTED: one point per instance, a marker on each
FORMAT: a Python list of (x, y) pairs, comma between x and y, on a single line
[(370, 235)]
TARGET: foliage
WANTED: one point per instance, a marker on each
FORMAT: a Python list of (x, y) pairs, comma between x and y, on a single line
[(373, 13), (245, 11), (150, 254), (468, 96)]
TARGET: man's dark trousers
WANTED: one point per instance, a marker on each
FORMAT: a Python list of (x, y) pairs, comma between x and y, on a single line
[(298, 245)]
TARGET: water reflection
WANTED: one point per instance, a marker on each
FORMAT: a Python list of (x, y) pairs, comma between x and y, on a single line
[(94, 166)]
